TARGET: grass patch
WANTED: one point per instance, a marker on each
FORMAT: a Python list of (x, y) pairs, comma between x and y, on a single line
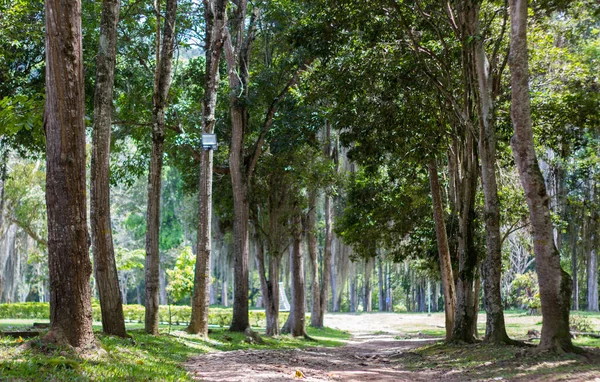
[(487, 362), (141, 358)]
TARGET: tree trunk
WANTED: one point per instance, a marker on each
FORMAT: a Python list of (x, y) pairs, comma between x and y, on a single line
[(492, 265), (574, 234), (467, 254), (443, 250), (367, 297), (162, 83), (592, 267), (326, 275), (113, 321), (381, 285), (68, 242), (353, 294), (215, 18), (297, 314), (311, 238), (555, 284)]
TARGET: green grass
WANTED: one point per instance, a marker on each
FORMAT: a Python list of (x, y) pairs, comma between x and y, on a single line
[(141, 358), (487, 362)]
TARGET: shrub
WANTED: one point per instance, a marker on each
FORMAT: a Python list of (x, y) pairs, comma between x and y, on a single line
[(581, 323)]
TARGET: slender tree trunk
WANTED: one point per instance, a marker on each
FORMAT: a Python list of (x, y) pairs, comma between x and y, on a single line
[(113, 321), (381, 285), (68, 242), (326, 274), (215, 17), (555, 284), (367, 298), (296, 320), (443, 250), (592, 266), (467, 254), (353, 294), (492, 264), (574, 234), (311, 237), (162, 84)]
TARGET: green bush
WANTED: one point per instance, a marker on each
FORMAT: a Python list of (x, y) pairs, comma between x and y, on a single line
[(174, 314), (581, 323)]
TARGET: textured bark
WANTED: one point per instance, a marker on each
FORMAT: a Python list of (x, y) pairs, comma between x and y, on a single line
[(162, 84), (555, 284), (311, 238), (269, 285), (492, 265), (467, 254), (215, 18), (68, 246), (443, 250), (574, 234), (326, 274), (297, 313), (105, 267), (367, 296), (380, 275), (592, 266)]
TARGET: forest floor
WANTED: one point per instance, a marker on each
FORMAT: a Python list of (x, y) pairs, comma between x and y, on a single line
[(402, 347)]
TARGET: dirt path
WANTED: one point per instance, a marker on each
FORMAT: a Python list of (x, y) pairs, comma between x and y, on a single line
[(367, 357), (362, 359), (374, 354)]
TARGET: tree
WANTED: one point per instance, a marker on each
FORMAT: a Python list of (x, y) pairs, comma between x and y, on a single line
[(162, 83), (242, 164), (555, 283), (443, 250), (113, 321), (68, 248), (215, 18)]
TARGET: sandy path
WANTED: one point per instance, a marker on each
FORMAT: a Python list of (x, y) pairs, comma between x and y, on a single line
[(363, 359), (366, 357)]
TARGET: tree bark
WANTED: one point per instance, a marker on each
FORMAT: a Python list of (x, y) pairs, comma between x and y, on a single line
[(443, 250), (298, 313), (162, 84), (311, 238), (555, 284), (68, 246), (215, 18), (574, 234), (381, 285), (492, 265), (367, 297), (592, 265), (326, 274), (105, 267), (467, 254)]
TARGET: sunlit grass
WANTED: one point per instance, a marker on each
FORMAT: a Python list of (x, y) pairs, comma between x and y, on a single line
[(140, 358)]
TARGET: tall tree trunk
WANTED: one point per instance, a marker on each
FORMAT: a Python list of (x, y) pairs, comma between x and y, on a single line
[(311, 238), (592, 266), (237, 68), (105, 267), (381, 284), (296, 324), (353, 294), (555, 284), (574, 234), (443, 250), (3, 171), (467, 254), (162, 84), (492, 265), (68, 242), (215, 18), (326, 274), (367, 297)]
